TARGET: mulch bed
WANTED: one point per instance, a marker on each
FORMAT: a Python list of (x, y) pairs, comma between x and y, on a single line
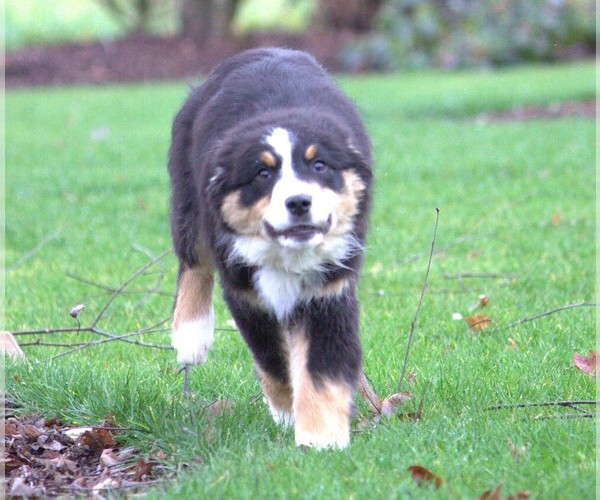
[(146, 58)]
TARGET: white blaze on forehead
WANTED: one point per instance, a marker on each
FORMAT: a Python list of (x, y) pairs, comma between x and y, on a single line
[(281, 141), (288, 185)]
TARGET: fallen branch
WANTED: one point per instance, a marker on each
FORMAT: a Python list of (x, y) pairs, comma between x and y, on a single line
[(93, 327)]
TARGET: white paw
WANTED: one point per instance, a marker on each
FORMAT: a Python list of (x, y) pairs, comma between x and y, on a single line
[(339, 439), (192, 339), (281, 417)]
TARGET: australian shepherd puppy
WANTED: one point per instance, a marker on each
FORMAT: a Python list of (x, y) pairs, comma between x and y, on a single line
[(271, 179)]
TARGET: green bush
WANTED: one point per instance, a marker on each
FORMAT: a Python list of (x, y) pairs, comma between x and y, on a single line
[(465, 33)]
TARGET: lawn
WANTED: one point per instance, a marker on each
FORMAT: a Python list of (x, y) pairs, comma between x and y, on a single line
[(87, 199)]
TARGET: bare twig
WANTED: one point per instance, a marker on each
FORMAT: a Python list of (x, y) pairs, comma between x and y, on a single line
[(546, 403), (368, 394), (119, 290), (425, 284), (109, 288), (47, 239), (567, 415), (548, 313)]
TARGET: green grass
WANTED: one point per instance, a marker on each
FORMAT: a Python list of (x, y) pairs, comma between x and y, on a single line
[(87, 190)]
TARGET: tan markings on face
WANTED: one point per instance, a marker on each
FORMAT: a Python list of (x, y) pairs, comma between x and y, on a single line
[(321, 411), (243, 220), (194, 294), (278, 393), (268, 159), (348, 201), (310, 153)]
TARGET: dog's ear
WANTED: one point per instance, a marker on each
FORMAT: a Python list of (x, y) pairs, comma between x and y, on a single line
[(359, 160)]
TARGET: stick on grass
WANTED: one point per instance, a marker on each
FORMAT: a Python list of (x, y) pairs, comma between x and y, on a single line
[(425, 285)]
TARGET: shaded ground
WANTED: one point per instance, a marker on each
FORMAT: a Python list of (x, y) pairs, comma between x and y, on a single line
[(150, 58)]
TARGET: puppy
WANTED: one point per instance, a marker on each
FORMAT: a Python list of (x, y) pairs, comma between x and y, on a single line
[(271, 180)]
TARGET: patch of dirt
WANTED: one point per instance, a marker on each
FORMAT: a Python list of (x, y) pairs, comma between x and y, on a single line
[(45, 458), (146, 58), (558, 110)]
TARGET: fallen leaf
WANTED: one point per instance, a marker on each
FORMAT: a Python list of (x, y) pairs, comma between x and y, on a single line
[(97, 439), (142, 468), (512, 344), (555, 220), (108, 458), (76, 432), (478, 322), (492, 495), (10, 429), (586, 364), (10, 346), (30, 432), (390, 405), (20, 488), (484, 300), (424, 476)]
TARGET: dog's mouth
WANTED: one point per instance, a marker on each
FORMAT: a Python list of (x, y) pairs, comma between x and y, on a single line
[(298, 232)]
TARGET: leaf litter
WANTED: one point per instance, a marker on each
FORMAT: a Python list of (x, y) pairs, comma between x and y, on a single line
[(45, 458)]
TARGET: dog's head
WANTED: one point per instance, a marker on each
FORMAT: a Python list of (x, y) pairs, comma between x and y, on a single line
[(290, 187)]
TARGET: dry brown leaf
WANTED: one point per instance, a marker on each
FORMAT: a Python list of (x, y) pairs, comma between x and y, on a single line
[(492, 495), (108, 458), (10, 346), (30, 432), (478, 322), (143, 468), (555, 220), (97, 439), (423, 476), (391, 404), (586, 364), (10, 429)]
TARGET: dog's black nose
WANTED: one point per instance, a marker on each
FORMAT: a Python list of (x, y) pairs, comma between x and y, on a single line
[(299, 204)]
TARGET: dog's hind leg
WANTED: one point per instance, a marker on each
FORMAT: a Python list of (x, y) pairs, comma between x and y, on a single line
[(193, 317)]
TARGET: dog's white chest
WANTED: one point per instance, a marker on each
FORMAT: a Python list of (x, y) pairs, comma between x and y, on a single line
[(281, 291)]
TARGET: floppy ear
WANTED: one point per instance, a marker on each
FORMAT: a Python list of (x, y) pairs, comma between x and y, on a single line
[(359, 161)]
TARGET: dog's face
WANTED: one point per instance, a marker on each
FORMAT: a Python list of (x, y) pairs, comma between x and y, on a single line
[(291, 191)]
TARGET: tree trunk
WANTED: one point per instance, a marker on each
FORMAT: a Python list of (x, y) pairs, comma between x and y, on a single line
[(353, 15), (204, 19)]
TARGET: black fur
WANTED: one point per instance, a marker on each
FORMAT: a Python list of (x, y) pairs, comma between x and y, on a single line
[(215, 139)]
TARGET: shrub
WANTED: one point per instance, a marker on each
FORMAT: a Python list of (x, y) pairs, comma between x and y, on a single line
[(459, 33)]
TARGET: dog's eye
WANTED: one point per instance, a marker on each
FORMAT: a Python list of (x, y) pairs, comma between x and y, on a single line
[(320, 166), (263, 173)]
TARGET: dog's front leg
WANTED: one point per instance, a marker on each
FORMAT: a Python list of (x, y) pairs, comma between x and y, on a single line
[(325, 364)]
